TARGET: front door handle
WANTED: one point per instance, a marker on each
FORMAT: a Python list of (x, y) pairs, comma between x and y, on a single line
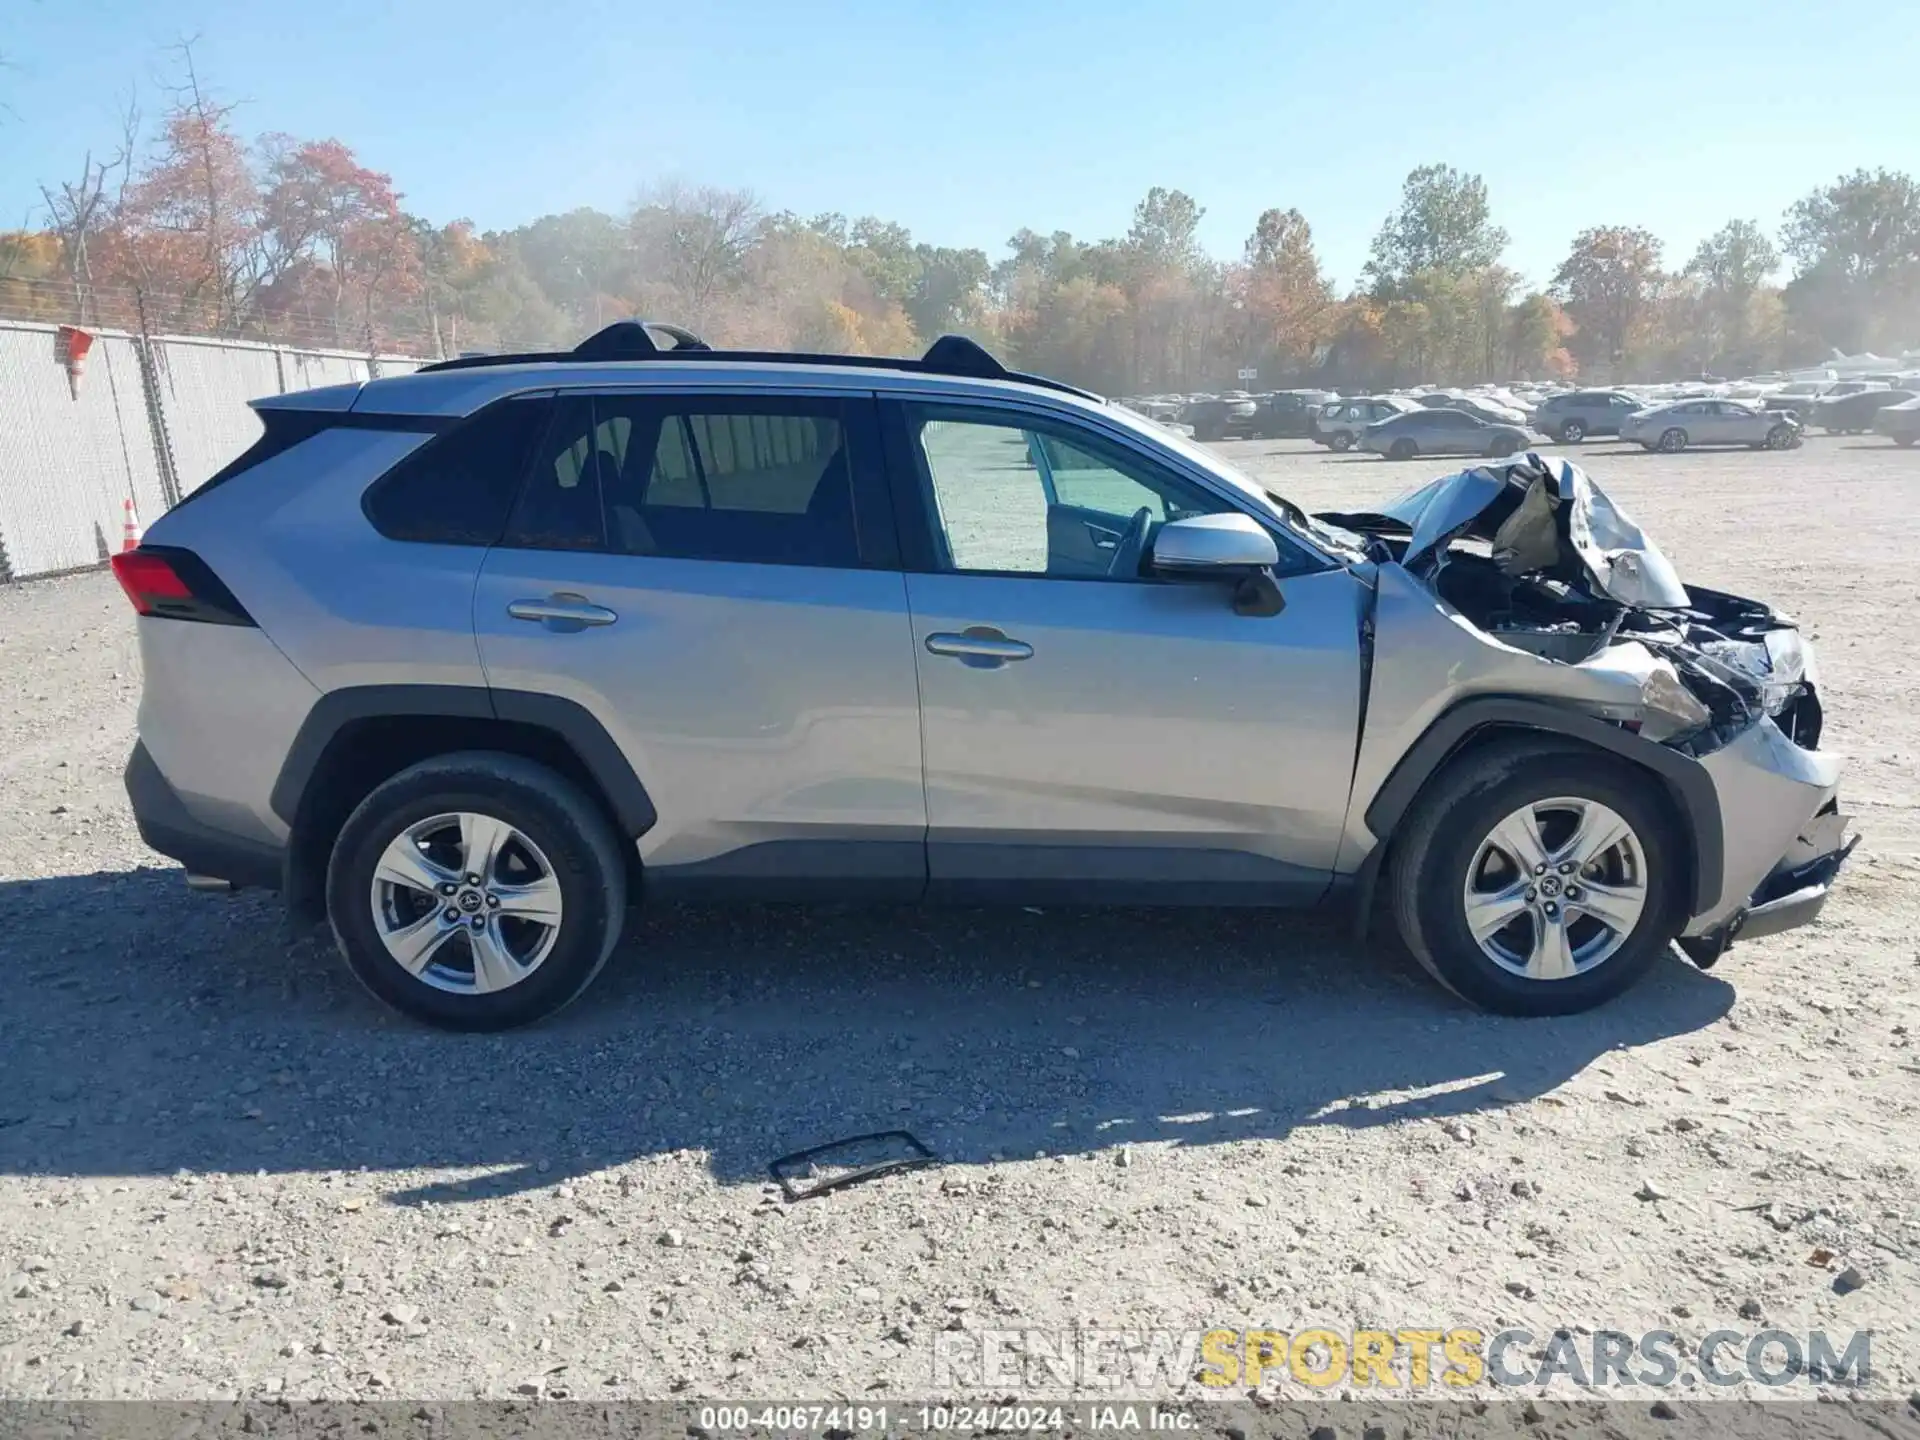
[(564, 611), (981, 646)]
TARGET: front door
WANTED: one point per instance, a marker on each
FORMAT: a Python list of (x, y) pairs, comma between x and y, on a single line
[(1092, 732), (715, 578)]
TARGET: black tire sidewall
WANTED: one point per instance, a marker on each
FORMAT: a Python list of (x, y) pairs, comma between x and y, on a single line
[(547, 817), (1471, 816), (1403, 450)]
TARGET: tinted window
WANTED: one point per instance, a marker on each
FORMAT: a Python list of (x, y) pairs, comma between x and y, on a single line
[(766, 482), (457, 489)]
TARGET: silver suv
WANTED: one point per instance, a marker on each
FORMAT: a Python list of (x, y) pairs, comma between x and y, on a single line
[(469, 659)]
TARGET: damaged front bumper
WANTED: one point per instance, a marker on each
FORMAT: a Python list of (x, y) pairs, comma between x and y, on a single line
[(1764, 780), (1523, 580)]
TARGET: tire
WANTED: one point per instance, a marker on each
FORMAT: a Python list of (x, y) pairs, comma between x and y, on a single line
[(1340, 440), (1442, 847), (1905, 441), (1780, 437), (1502, 448), (1402, 449), (1673, 441), (559, 853), (1573, 432)]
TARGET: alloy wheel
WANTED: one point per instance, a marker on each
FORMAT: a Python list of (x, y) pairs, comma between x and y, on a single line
[(466, 903), (1556, 888)]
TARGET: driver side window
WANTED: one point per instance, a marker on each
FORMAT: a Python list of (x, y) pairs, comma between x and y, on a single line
[(1009, 497)]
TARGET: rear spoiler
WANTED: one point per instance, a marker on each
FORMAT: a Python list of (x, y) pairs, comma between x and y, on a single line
[(337, 398)]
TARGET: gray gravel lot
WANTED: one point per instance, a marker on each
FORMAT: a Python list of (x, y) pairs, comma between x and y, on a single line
[(225, 1171)]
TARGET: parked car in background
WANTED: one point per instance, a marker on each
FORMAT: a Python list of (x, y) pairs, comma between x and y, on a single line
[(1339, 423), (1215, 417), (1477, 406), (1899, 423), (1571, 417), (1443, 431), (1710, 422), (1853, 414), (1287, 414), (1797, 396)]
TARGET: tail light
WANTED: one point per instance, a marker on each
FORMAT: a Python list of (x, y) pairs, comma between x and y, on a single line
[(174, 584)]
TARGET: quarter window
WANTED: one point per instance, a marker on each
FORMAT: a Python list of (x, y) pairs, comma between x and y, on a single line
[(458, 488)]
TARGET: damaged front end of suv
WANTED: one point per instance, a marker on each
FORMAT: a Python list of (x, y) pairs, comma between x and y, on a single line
[(1517, 594)]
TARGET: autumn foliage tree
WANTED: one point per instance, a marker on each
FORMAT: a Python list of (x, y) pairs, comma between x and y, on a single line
[(190, 225)]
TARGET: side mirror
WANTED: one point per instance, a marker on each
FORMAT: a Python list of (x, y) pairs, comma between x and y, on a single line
[(1231, 547), (1223, 546)]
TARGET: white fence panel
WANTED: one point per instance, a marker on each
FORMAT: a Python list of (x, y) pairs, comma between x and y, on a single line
[(309, 369), (69, 461), (204, 389)]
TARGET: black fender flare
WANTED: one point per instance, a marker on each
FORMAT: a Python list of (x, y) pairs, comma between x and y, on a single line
[(1686, 783), (573, 723)]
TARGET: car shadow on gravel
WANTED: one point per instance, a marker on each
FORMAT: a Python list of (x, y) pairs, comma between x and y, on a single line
[(149, 1031)]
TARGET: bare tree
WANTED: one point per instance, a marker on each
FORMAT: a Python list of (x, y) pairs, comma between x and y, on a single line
[(694, 242), (77, 210)]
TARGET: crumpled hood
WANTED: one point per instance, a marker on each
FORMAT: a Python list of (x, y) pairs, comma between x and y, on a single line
[(1540, 515)]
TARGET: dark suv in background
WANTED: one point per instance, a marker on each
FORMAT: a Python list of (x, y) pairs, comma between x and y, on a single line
[(1287, 414), (1571, 417)]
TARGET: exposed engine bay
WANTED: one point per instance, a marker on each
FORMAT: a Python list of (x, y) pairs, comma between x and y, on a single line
[(1535, 556)]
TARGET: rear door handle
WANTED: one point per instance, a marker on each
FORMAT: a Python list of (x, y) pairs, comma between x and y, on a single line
[(562, 612), (978, 645)]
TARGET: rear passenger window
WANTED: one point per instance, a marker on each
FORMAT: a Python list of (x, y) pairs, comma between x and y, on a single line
[(766, 482), (458, 489)]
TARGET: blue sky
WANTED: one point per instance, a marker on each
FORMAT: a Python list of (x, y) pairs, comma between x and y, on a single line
[(966, 119)]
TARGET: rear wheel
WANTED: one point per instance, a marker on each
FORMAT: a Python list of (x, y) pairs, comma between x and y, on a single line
[(1402, 449), (1341, 440), (476, 891), (1673, 441), (1573, 432), (1537, 881)]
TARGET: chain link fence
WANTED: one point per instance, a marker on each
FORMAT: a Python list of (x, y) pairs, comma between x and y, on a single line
[(145, 417)]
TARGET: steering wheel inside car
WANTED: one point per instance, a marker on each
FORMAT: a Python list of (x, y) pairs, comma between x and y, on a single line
[(1132, 548)]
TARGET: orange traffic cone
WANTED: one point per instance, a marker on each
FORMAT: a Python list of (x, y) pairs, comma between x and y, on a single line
[(130, 528)]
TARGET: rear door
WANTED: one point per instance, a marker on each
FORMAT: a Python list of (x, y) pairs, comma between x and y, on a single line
[(714, 576), (1110, 735)]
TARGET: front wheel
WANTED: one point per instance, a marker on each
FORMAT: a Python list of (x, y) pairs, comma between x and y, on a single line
[(476, 891), (1780, 437), (1535, 881), (1502, 447), (1402, 450), (1904, 441), (1340, 440), (1673, 441)]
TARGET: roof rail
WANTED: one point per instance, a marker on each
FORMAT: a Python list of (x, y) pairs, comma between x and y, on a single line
[(633, 340)]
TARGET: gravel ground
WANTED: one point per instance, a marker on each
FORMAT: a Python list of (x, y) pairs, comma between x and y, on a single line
[(224, 1171)]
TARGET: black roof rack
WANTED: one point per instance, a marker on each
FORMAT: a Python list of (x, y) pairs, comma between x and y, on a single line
[(634, 340)]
